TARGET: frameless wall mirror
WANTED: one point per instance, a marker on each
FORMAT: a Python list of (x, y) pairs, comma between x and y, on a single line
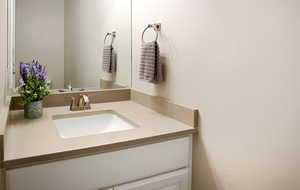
[(84, 44)]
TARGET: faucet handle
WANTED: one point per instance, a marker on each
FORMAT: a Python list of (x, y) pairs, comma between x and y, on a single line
[(86, 99), (87, 103), (84, 102), (73, 104)]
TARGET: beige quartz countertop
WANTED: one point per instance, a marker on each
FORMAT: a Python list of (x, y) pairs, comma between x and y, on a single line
[(29, 142)]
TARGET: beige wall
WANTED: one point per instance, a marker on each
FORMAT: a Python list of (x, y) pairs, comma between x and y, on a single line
[(40, 35), (238, 61)]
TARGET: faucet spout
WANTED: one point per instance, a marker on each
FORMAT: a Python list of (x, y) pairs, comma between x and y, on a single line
[(83, 103)]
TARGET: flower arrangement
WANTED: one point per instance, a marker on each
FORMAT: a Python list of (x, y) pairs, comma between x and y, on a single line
[(33, 82)]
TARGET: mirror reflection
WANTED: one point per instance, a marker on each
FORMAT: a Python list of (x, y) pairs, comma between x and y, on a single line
[(84, 44)]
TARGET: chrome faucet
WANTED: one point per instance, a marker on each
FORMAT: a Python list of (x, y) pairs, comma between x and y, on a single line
[(83, 103)]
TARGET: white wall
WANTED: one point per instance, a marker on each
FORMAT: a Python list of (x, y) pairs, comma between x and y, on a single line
[(3, 57), (40, 35), (86, 24), (238, 62), (4, 95)]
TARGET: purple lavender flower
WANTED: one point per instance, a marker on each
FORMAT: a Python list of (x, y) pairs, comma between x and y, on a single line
[(25, 71), (33, 68), (39, 71), (33, 82)]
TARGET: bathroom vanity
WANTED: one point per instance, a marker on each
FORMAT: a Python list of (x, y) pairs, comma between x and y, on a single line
[(124, 145), (126, 141), (162, 166)]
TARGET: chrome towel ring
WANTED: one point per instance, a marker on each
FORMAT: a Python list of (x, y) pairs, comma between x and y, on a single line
[(112, 35), (156, 28)]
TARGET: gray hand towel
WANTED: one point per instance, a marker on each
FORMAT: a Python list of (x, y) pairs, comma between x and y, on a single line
[(107, 65), (150, 67)]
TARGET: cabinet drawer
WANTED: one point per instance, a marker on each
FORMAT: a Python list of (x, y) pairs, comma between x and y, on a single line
[(103, 170), (177, 180)]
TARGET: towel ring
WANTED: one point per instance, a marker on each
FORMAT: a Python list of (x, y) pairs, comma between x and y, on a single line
[(112, 35), (155, 27)]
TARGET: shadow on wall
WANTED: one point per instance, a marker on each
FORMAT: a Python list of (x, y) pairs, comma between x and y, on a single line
[(202, 172)]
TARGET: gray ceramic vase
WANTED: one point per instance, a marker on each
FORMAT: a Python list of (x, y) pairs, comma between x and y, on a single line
[(33, 110)]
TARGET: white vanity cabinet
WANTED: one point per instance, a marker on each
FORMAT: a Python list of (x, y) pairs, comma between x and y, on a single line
[(177, 180), (161, 166)]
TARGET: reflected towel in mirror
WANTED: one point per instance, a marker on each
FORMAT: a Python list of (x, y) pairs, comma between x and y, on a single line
[(109, 63)]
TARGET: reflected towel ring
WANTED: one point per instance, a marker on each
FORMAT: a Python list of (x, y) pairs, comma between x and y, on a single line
[(155, 27), (112, 35)]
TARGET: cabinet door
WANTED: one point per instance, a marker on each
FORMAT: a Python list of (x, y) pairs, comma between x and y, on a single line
[(177, 180), (103, 170)]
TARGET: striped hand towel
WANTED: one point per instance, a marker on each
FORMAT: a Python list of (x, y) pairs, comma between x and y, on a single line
[(150, 67), (107, 65)]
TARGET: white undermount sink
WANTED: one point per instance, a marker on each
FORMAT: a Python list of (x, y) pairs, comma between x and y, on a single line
[(91, 123)]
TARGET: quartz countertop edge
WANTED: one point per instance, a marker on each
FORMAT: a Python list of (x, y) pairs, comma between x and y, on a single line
[(33, 142), (59, 156)]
